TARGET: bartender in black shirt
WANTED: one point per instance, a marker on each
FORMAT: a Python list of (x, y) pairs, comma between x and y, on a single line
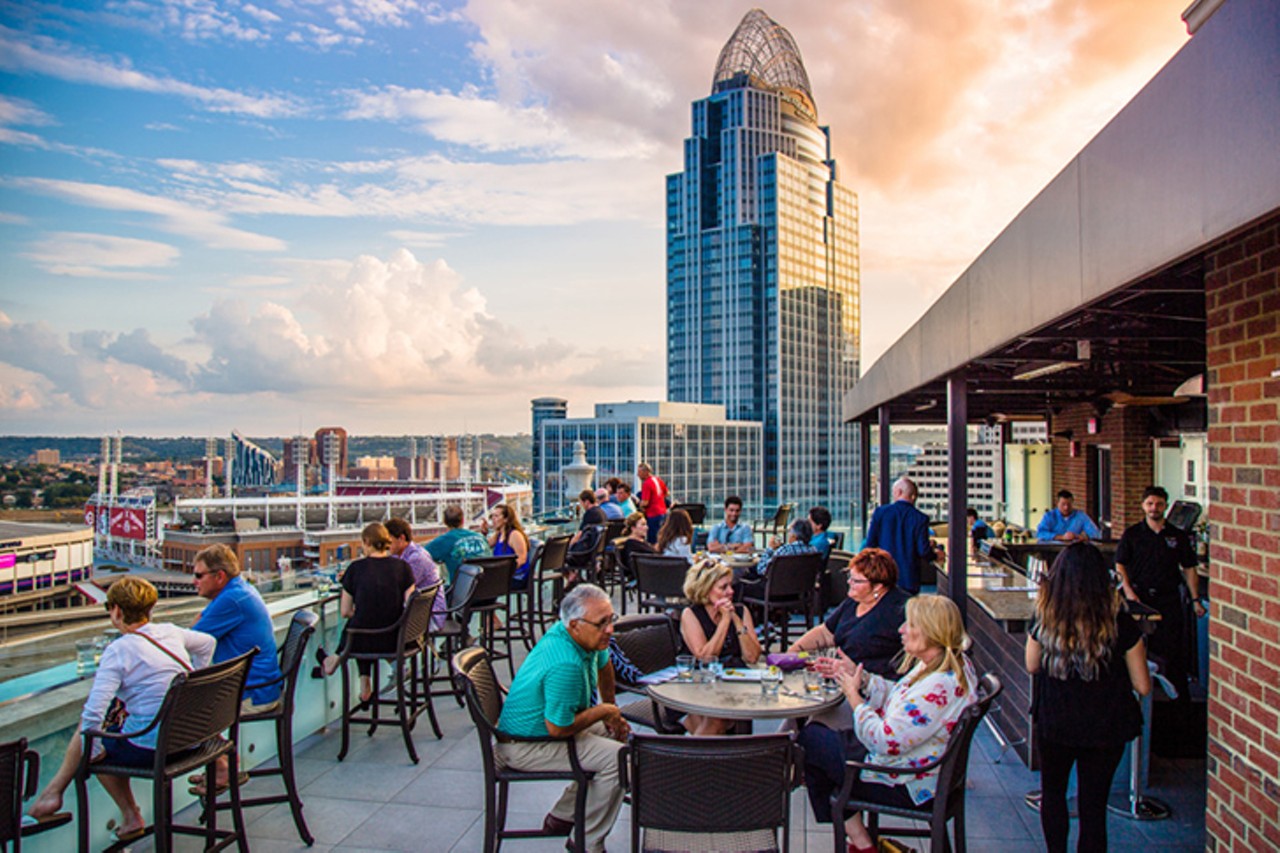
[(1154, 559)]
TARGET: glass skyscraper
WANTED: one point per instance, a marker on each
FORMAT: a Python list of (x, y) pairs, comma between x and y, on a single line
[(762, 269)]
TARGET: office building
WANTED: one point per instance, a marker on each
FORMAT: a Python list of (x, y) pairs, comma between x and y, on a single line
[(700, 454), (762, 269), (544, 408), (986, 479), (251, 465)]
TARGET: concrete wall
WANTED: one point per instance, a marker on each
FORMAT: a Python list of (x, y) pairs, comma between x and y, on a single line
[(1242, 294)]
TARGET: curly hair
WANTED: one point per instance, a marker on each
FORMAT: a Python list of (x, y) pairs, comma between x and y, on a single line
[(702, 577)]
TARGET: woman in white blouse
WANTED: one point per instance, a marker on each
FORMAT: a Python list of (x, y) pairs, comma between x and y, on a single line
[(137, 669), (905, 723)]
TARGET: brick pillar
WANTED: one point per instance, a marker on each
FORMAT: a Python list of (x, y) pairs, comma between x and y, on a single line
[(1242, 301), (1127, 431)]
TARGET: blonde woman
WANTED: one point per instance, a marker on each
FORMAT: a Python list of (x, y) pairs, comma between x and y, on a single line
[(714, 629), (899, 724), (136, 669)]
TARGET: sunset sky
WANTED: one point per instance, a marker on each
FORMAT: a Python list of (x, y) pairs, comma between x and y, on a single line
[(411, 217)]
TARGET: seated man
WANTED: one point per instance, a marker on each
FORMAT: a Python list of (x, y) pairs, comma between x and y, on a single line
[(978, 529), (623, 497), (458, 544), (612, 509), (426, 573), (820, 518), (799, 535), (237, 617), (729, 535), (1063, 523), (552, 695)]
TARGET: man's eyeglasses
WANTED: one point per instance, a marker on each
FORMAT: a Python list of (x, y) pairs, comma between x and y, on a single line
[(198, 575), (611, 619)]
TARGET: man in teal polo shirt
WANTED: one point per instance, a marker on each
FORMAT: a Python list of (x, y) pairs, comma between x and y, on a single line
[(552, 695)]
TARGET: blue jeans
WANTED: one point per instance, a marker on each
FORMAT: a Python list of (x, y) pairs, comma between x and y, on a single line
[(655, 524)]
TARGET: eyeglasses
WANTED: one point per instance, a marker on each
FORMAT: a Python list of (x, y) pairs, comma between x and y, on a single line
[(198, 575), (857, 581), (611, 619)]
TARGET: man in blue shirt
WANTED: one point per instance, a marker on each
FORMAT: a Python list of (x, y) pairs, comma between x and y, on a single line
[(729, 535), (820, 518), (612, 509), (903, 531), (237, 618), (978, 529), (456, 545), (552, 695), (1066, 524)]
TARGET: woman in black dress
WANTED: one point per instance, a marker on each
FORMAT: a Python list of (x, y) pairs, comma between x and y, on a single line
[(375, 589), (1088, 659), (714, 629)]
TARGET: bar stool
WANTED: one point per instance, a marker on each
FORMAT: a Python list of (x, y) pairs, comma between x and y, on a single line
[(491, 597), (292, 654)]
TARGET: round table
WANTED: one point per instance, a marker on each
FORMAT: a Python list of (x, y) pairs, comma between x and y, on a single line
[(741, 700)]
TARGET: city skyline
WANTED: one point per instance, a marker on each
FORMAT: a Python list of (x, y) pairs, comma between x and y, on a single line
[(411, 217)]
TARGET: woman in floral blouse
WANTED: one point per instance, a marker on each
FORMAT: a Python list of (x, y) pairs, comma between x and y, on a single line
[(898, 724)]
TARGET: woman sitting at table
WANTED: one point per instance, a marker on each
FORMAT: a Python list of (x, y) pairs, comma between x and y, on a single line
[(865, 625), (902, 724), (635, 533), (507, 538), (714, 629), (676, 536), (136, 669)]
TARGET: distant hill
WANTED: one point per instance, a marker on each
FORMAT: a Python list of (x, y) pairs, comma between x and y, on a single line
[(509, 450)]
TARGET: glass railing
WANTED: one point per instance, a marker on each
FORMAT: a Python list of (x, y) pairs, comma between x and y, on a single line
[(44, 707)]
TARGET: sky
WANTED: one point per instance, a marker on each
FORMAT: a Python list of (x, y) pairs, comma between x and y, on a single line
[(409, 217)]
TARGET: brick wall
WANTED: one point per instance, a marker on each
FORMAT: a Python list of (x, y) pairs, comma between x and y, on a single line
[(1242, 300), (1127, 431)]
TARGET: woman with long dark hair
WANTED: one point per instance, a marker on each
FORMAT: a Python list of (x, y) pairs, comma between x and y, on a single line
[(676, 536), (507, 538), (1088, 659)]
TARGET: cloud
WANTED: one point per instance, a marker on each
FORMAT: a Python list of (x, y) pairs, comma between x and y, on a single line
[(27, 53), (7, 218), (174, 216), (423, 239), (21, 112), (99, 255)]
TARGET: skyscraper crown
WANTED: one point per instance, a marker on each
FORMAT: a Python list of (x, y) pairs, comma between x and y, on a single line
[(765, 52)]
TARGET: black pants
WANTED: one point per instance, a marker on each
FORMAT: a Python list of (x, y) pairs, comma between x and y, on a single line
[(1094, 771)]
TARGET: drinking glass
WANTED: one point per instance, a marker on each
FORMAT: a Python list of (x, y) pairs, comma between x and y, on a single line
[(812, 681), (684, 667), (770, 681), (716, 668)]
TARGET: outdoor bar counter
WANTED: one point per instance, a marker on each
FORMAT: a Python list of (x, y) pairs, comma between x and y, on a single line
[(1005, 599)]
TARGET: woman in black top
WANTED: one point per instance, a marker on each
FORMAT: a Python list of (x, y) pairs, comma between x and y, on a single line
[(714, 629), (375, 589), (865, 625), (636, 531), (1088, 659)]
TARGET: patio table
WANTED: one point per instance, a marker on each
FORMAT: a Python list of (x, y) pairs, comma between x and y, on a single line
[(742, 700)]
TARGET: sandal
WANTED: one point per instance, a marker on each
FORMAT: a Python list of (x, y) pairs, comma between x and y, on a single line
[(131, 835), (317, 671), (198, 788)]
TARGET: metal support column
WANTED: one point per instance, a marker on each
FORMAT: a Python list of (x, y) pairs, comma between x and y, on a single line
[(957, 491), (885, 482), (862, 516)]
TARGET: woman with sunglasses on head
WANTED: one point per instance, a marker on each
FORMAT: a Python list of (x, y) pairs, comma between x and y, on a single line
[(136, 669), (715, 629), (1087, 659)]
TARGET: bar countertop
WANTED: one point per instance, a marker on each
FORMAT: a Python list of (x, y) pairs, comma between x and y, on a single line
[(1005, 593)]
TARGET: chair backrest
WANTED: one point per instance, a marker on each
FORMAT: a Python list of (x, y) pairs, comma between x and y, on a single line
[(474, 678), (836, 538), (697, 512), (554, 552), (614, 529), (417, 619), (660, 575), (464, 587), (293, 650), (651, 641), (793, 575), (738, 783), (496, 580), (953, 770), (11, 790), (833, 585), (202, 704)]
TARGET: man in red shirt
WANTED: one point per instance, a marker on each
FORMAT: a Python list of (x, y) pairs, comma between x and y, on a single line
[(653, 499)]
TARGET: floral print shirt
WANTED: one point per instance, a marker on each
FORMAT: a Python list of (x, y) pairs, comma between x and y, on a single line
[(906, 725)]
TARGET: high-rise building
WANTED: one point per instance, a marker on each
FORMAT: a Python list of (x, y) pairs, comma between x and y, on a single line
[(762, 269), (331, 444), (544, 408), (252, 465), (702, 456)]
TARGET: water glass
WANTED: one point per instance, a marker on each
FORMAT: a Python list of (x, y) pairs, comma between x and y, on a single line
[(770, 681), (716, 668), (85, 652), (812, 682), (684, 667)]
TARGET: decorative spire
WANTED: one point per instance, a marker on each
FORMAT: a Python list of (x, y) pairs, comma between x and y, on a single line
[(763, 50)]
